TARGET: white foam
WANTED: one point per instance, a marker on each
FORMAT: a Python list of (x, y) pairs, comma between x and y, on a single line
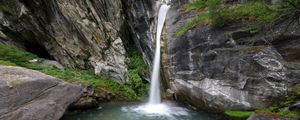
[(157, 110)]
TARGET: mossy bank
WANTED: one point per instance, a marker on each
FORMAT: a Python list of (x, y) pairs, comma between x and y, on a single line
[(136, 88)]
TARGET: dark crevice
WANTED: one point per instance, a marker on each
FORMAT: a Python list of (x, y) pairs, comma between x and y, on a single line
[(38, 50), (127, 34)]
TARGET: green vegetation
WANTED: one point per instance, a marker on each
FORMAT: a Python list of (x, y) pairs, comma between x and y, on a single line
[(87, 77), (277, 110), (12, 54), (12, 13), (238, 114), (290, 9), (216, 17), (136, 67), (191, 24), (132, 90), (289, 114), (197, 4), (285, 113), (254, 14), (7, 63)]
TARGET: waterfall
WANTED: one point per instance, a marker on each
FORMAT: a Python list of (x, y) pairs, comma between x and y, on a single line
[(155, 77), (154, 105)]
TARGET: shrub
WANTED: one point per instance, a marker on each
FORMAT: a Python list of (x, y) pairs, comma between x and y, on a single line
[(136, 67)]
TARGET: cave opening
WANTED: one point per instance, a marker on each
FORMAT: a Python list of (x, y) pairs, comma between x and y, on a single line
[(38, 50)]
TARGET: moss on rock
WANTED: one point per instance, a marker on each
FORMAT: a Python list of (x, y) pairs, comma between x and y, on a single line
[(238, 114)]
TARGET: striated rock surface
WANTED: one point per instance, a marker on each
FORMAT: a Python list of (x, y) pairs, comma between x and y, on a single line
[(229, 68), (84, 34), (76, 33), (31, 95), (141, 17)]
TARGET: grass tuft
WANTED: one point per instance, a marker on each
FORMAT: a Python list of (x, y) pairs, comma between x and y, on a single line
[(201, 17), (7, 63), (197, 4), (238, 114), (14, 55)]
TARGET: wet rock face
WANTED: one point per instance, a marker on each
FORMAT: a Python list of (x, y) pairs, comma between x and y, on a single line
[(141, 15), (76, 33), (229, 68), (84, 104), (31, 95), (92, 97)]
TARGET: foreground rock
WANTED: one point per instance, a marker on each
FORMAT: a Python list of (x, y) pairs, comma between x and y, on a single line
[(31, 95)]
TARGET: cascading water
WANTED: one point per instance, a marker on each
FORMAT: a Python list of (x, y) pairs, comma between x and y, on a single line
[(154, 105), (155, 79)]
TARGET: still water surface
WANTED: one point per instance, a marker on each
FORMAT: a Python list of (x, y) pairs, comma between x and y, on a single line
[(134, 111)]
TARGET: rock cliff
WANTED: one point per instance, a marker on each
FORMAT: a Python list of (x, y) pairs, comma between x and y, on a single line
[(84, 34), (229, 68), (76, 33)]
